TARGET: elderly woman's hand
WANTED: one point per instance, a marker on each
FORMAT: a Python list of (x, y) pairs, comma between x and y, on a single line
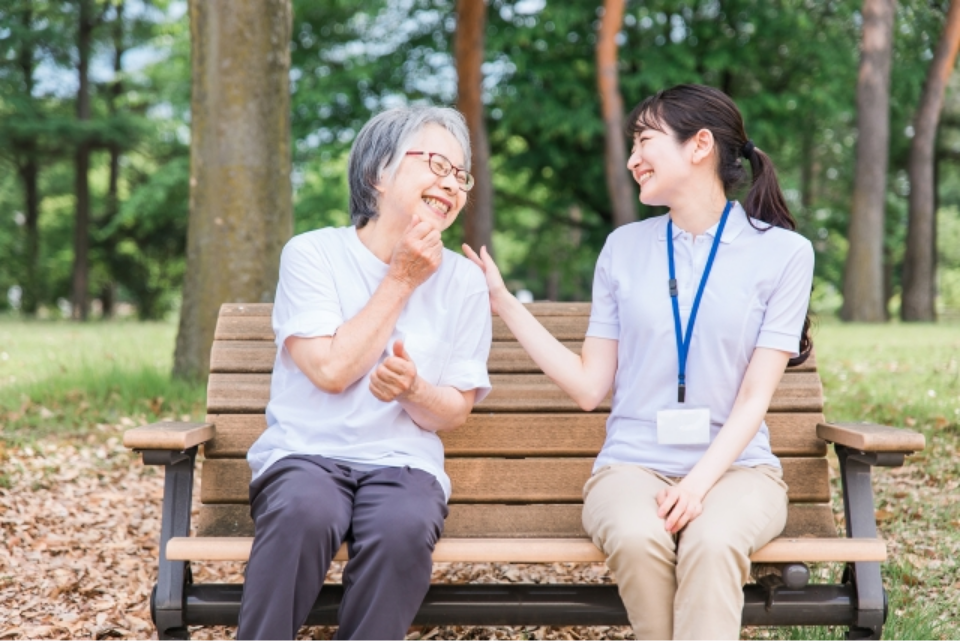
[(494, 279), (395, 377), (417, 255)]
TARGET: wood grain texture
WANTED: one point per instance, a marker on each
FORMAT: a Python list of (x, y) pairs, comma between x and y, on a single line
[(530, 480), (249, 393), (872, 438), (521, 435), (258, 357), (538, 521), (579, 550), (167, 436)]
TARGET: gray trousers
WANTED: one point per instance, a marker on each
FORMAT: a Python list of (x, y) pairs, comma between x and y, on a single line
[(303, 508)]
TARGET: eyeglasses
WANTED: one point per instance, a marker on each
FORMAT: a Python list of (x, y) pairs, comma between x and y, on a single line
[(441, 166)]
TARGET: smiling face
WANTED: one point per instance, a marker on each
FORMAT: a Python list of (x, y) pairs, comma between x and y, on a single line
[(415, 189), (661, 165)]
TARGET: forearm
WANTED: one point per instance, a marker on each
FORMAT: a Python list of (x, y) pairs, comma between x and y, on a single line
[(568, 370), (741, 426), (436, 408), (358, 344)]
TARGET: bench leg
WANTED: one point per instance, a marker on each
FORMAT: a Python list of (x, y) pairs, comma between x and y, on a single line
[(167, 600), (858, 508)]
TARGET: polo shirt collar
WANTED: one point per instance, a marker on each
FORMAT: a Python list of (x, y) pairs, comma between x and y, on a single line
[(735, 225)]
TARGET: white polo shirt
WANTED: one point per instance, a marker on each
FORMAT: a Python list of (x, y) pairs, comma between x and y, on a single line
[(756, 296), (326, 277)]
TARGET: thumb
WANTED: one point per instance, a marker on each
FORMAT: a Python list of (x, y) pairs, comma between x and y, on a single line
[(399, 350), (414, 221)]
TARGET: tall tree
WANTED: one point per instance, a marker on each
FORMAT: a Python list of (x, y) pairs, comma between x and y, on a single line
[(240, 191), (88, 20), (471, 25), (863, 298), (608, 82), (113, 183), (919, 263)]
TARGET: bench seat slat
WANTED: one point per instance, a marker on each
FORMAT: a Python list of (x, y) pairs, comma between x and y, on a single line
[(791, 434), (581, 550), (500, 480), (249, 393), (532, 521)]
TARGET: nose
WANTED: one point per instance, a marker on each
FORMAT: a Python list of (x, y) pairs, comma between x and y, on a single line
[(634, 160), (449, 183)]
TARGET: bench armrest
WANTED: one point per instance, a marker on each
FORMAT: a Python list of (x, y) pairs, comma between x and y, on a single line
[(867, 437), (168, 436)]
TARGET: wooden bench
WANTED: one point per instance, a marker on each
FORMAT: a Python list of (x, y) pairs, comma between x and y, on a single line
[(518, 467)]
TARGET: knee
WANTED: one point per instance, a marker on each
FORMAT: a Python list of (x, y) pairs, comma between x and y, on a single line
[(303, 513), (634, 541)]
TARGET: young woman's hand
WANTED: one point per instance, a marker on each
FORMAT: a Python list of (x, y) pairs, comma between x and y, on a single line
[(494, 280), (678, 506)]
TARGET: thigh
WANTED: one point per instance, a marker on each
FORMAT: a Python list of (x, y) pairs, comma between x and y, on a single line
[(745, 510), (400, 502), (308, 493), (619, 502)]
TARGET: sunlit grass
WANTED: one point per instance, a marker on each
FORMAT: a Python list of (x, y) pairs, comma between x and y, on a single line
[(66, 378)]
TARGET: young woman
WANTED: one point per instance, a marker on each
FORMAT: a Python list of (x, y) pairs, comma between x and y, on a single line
[(695, 316)]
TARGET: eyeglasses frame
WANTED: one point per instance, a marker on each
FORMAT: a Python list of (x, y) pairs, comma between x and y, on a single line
[(456, 171)]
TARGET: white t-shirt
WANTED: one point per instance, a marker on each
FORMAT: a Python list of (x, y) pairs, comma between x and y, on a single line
[(756, 296), (326, 277)]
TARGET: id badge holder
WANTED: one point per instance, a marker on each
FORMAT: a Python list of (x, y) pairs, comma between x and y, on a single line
[(683, 425)]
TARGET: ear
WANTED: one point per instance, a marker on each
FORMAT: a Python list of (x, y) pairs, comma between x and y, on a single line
[(703, 145)]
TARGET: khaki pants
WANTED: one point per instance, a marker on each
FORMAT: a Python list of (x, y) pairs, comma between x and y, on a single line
[(690, 585)]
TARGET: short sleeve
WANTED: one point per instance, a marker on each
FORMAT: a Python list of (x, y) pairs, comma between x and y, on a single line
[(307, 304), (604, 315), (466, 368), (787, 306)]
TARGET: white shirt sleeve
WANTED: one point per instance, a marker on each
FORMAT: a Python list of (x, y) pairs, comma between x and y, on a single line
[(307, 303), (604, 315), (466, 368), (787, 306)]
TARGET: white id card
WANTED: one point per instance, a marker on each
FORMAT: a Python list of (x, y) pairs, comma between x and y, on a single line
[(683, 426)]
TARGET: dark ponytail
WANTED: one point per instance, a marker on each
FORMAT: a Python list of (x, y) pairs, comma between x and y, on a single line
[(686, 109)]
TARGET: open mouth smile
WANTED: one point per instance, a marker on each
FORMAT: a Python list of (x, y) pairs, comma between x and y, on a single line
[(437, 205)]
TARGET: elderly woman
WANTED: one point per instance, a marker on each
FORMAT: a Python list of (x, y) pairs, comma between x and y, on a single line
[(383, 337)]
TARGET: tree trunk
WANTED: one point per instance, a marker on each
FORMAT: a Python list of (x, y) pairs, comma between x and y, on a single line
[(240, 192), (29, 175), (81, 231), (919, 263), (471, 24), (863, 278), (622, 197), (107, 297), (29, 172)]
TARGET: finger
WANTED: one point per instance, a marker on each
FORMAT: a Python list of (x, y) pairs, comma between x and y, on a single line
[(472, 255), (669, 500), (414, 221), (399, 350), (676, 513)]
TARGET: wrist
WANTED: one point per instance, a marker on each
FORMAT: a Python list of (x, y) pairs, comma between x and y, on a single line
[(693, 487), (398, 286)]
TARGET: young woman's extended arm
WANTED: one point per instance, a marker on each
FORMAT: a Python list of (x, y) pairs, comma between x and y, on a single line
[(585, 378), (682, 503)]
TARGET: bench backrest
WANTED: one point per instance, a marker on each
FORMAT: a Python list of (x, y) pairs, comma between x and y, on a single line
[(519, 463)]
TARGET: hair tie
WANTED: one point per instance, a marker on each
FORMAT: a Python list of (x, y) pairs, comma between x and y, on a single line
[(747, 150)]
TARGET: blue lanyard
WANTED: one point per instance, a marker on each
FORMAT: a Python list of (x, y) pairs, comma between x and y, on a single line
[(683, 342)]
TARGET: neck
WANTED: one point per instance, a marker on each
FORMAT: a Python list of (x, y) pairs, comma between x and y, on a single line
[(380, 237), (698, 212)]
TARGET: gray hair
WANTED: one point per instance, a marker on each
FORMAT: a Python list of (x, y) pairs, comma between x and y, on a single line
[(382, 144)]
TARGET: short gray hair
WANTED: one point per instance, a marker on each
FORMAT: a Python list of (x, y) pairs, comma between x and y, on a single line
[(382, 144)]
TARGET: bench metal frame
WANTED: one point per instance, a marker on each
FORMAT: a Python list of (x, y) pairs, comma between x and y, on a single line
[(858, 602)]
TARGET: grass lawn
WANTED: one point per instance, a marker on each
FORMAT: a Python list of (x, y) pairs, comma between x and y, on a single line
[(71, 381)]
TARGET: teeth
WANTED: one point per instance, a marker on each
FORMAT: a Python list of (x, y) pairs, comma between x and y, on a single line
[(645, 176), (437, 205)]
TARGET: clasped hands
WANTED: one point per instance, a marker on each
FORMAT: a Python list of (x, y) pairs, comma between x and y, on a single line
[(678, 505)]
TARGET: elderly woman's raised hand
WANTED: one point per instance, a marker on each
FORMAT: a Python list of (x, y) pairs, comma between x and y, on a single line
[(494, 279), (417, 255)]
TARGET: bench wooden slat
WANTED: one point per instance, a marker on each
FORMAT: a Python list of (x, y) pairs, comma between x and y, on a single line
[(538, 521), (872, 438), (498, 480), (168, 435), (249, 393), (451, 550), (791, 434)]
